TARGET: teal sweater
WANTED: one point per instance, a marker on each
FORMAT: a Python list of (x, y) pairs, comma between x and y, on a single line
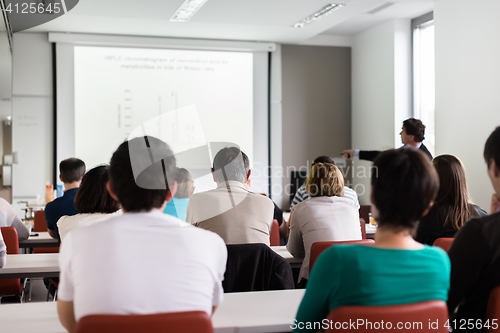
[(366, 275)]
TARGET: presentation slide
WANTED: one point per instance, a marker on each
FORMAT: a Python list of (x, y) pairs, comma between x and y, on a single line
[(193, 100)]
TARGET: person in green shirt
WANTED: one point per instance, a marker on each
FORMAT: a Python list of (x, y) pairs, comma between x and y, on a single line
[(396, 269)]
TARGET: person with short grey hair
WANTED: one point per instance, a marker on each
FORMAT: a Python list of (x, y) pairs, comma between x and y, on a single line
[(236, 214)]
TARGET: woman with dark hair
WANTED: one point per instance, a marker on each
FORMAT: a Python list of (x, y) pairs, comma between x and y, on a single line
[(396, 269), (92, 201), (452, 206), (326, 216), (185, 188)]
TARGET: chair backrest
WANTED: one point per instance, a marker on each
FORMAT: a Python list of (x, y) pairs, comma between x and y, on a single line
[(318, 247), (443, 243), (362, 224), (364, 211), (176, 322), (274, 237), (493, 309), (425, 317), (39, 223), (11, 239)]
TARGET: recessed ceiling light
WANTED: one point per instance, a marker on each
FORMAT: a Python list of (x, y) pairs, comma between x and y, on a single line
[(187, 10), (328, 9)]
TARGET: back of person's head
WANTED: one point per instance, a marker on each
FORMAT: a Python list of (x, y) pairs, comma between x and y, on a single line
[(452, 200), (141, 172), (231, 163), (71, 170), (185, 186), (325, 179), (416, 128), (492, 148), (404, 183), (92, 196), (324, 159)]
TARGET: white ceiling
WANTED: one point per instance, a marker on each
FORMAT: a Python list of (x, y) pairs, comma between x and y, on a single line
[(255, 20)]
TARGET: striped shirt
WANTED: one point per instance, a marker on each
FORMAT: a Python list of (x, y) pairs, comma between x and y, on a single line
[(302, 195)]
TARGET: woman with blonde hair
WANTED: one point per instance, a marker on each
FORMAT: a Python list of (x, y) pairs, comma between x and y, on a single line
[(185, 188), (326, 216), (452, 206)]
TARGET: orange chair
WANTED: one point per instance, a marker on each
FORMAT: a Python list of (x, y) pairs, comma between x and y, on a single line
[(274, 237), (443, 243), (11, 287), (40, 225), (415, 317), (176, 322), (318, 247), (493, 309)]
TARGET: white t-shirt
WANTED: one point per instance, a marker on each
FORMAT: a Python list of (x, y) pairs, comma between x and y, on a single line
[(68, 223), (3, 252), (8, 218), (141, 263), (321, 219)]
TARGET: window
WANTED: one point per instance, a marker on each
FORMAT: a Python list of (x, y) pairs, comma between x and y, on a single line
[(424, 76)]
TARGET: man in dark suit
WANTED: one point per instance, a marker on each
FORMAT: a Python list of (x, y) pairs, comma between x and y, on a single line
[(412, 135)]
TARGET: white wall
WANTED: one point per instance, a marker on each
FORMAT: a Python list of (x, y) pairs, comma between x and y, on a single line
[(380, 93), (32, 111), (467, 85)]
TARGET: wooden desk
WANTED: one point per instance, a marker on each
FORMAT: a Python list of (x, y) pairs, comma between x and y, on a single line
[(30, 265), (265, 311), (42, 240)]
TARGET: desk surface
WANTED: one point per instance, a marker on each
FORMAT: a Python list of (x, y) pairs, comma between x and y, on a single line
[(267, 311), (42, 240), (282, 251), (30, 265)]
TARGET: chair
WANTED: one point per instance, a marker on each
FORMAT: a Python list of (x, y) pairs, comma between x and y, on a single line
[(274, 237), (40, 225), (493, 309), (362, 224), (11, 287), (256, 267), (176, 322), (364, 211), (318, 247), (416, 317), (443, 243)]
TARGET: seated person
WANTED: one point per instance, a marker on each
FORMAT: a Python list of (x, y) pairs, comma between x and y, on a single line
[(475, 252), (3, 252), (326, 216), (452, 206), (72, 171), (302, 194), (412, 135), (231, 210), (92, 201), (185, 187), (8, 218), (396, 269), (110, 267)]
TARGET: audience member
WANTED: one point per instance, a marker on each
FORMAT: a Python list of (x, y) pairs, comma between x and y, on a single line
[(185, 187), (8, 218), (231, 210), (326, 216), (92, 201), (475, 253), (412, 135), (72, 171), (302, 194), (452, 206), (111, 267), (3, 252), (397, 269)]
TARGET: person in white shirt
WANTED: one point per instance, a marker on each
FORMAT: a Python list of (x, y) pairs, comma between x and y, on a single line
[(231, 210), (92, 201), (3, 252), (8, 218), (144, 261), (327, 216)]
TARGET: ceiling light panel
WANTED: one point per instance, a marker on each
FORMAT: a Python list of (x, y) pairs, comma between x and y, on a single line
[(327, 10), (187, 10)]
